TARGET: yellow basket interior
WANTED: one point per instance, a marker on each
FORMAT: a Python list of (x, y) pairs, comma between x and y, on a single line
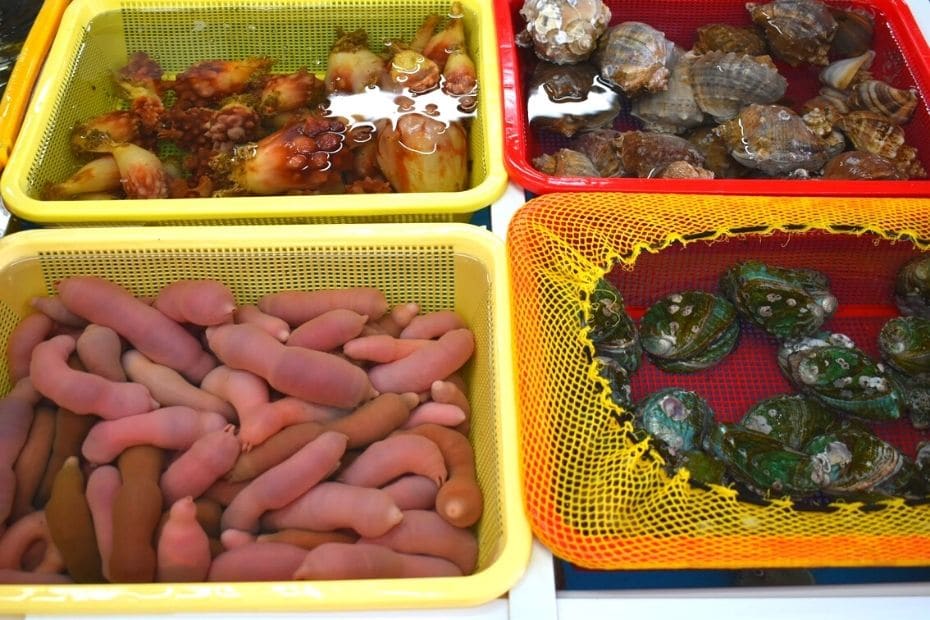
[(599, 496), (452, 266), (98, 39)]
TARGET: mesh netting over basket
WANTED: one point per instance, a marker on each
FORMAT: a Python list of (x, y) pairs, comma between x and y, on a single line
[(598, 497)]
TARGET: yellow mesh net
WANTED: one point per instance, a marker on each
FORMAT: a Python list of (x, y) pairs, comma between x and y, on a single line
[(601, 498)]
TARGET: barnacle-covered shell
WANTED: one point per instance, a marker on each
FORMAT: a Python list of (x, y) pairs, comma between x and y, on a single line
[(841, 74), (646, 154), (600, 147), (764, 464), (912, 287), (634, 57), (674, 109), (859, 165), (797, 31), (724, 82), (567, 99), (689, 331), (563, 31), (792, 419), (775, 140), (859, 460), (565, 163), (896, 104), (618, 380), (717, 158), (729, 38), (842, 378), (678, 419), (904, 343), (786, 303), (854, 30), (613, 332)]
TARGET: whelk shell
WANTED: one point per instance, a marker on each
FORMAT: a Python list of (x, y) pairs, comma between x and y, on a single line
[(646, 154), (729, 38), (896, 104), (684, 170), (797, 31), (565, 163), (853, 33), (872, 132), (563, 31), (912, 287), (674, 109), (600, 148), (841, 74), (634, 56), (717, 158), (723, 83), (566, 99), (859, 165)]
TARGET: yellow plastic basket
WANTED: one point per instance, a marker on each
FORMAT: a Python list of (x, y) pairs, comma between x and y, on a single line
[(597, 494), (438, 265), (96, 37)]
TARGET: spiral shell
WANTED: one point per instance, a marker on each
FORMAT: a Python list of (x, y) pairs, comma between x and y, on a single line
[(674, 109), (729, 38), (872, 132), (563, 31), (634, 57), (896, 104), (861, 461), (568, 99), (791, 419), (565, 163), (599, 146), (797, 31), (646, 154), (912, 287), (859, 165), (840, 74), (724, 83), (684, 170), (853, 33), (717, 158), (904, 343)]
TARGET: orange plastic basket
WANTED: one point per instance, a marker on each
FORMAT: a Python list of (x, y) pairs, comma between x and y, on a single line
[(601, 498)]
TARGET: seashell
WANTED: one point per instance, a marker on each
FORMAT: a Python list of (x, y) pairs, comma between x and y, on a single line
[(896, 104), (563, 31), (613, 332), (723, 83), (565, 163), (859, 165), (566, 99), (904, 344), (600, 148), (689, 331), (915, 398), (854, 30), (858, 459), (841, 74), (717, 157), (872, 132), (702, 467), (912, 287), (822, 111), (633, 56), (674, 109), (684, 170), (797, 31), (841, 378), (618, 380), (786, 303), (792, 419), (677, 419), (729, 38), (908, 482), (908, 164), (774, 140), (764, 464), (645, 154)]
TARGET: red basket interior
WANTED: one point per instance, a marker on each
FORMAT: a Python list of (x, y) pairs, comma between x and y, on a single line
[(901, 60), (861, 271)]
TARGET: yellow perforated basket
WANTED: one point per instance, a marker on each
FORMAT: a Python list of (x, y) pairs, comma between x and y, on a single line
[(599, 496), (453, 266), (96, 37)]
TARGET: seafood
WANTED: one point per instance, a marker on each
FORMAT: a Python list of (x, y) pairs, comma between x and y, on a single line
[(842, 378), (904, 343), (563, 31), (792, 419), (645, 154), (858, 459), (567, 99), (797, 31), (717, 158), (689, 331), (351, 67), (775, 140), (786, 303), (915, 398), (677, 419), (843, 73), (908, 482), (912, 287), (566, 163), (210, 81), (418, 153), (116, 126), (829, 105), (876, 133), (896, 104), (618, 379), (634, 57), (673, 110), (857, 165), (289, 92), (613, 332), (724, 83), (683, 170), (854, 30), (702, 467), (599, 146), (763, 463), (729, 38)]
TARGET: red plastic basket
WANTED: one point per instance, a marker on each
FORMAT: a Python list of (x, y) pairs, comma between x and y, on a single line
[(902, 59)]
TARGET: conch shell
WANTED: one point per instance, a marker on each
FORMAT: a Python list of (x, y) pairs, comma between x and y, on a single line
[(724, 83), (841, 74), (797, 31), (897, 104), (674, 109), (634, 57), (563, 31)]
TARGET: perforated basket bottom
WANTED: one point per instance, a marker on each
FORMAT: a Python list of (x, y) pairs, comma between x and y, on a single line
[(599, 497)]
